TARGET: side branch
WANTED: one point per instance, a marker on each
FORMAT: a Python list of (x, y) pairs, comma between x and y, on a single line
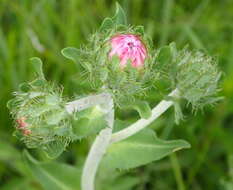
[(86, 102), (142, 123)]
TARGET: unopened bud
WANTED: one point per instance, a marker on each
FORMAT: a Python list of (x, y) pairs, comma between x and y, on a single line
[(128, 47)]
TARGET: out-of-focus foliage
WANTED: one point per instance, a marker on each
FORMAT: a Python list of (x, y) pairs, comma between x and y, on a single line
[(42, 28)]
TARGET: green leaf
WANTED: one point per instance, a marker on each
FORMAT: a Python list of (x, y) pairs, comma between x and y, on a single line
[(88, 122), (12, 103), (177, 108), (117, 180), (8, 152), (55, 148), (52, 99), (120, 17), (24, 87), (173, 49), (123, 183), (178, 113), (106, 24), (38, 66), (19, 183), (104, 74), (140, 149), (53, 175), (38, 83), (142, 107), (10, 156), (114, 64), (140, 30), (71, 53), (55, 117), (75, 55)]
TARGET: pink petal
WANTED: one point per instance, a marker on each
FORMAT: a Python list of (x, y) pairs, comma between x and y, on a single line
[(128, 47)]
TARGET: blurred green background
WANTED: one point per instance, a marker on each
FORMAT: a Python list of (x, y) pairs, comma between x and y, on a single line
[(42, 28)]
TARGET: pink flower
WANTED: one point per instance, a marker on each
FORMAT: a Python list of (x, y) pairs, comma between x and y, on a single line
[(128, 47)]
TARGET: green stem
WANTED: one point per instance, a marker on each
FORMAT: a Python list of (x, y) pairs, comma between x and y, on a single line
[(143, 123), (177, 172)]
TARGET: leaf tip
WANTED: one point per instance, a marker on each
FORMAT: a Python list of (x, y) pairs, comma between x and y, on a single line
[(37, 65), (184, 144)]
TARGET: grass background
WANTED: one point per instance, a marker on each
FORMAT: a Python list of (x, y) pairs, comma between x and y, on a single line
[(42, 28)]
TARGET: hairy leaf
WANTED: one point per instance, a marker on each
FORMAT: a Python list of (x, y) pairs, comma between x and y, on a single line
[(88, 122), (53, 175), (55, 148), (140, 149), (119, 17), (37, 65), (71, 53), (76, 56), (106, 24), (142, 107), (140, 30), (164, 56)]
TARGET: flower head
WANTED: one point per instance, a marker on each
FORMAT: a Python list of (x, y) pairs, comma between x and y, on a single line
[(128, 47), (43, 122)]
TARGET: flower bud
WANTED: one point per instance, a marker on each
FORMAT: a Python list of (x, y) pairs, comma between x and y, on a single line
[(197, 78), (119, 61), (42, 121), (128, 47)]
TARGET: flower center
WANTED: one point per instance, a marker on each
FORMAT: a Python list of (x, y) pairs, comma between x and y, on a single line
[(130, 44)]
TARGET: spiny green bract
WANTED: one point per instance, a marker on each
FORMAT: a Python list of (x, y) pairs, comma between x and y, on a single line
[(197, 78), (39, 105), (193, 73)]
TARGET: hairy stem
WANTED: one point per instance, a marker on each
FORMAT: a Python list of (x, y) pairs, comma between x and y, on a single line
[(142, 123), (98, 148), (102, 140), (86, 102), (96, 153)]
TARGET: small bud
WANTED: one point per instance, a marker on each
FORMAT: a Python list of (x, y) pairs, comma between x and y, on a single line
[(43, 123), (197, 78), (128, 47)]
